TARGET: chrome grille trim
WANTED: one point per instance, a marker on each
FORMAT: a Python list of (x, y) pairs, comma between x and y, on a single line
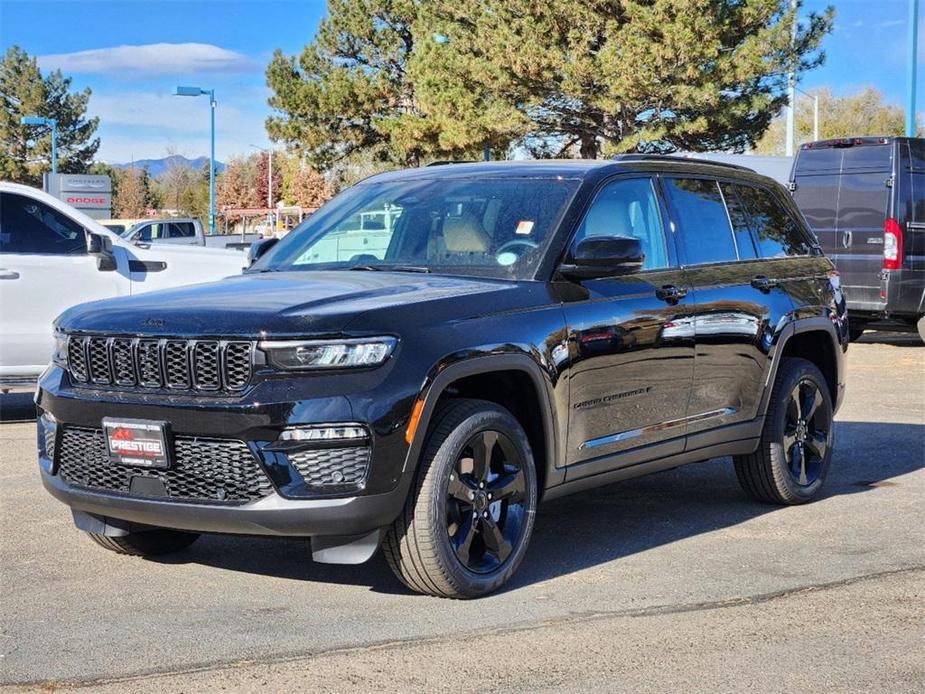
[(158, 363)]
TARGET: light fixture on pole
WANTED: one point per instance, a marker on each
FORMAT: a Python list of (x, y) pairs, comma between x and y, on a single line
[(198, 91), (53, 124)]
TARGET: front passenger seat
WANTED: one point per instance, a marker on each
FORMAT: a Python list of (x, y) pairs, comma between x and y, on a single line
[(464, 234)]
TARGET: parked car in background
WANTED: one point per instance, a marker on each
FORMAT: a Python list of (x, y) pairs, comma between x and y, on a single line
[(53, 256), (529, 329), (864, 198), (182, 231), (119, 226)]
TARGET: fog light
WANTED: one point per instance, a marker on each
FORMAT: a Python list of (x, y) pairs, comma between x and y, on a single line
[(47, 434), (323, 433), (333, 469)]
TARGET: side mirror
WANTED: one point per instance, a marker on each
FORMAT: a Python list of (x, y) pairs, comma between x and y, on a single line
[(101, 247), (604, 256), (258, 249)]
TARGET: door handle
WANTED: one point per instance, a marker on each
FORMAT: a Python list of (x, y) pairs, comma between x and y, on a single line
[(846, 239), (670, 293), (763, 283), (8, 274)]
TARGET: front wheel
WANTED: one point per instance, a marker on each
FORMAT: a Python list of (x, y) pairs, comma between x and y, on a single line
[(795, 452), (149, 543), (469, 516)]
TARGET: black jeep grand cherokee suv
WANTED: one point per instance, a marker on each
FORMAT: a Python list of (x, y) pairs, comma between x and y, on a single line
[(434, 351)]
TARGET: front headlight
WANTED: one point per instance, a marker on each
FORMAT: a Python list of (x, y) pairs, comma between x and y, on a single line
[(328, 354), (59, 355)]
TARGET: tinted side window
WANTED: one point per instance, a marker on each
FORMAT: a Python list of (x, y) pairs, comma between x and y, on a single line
[(628, 208), (182, 230), (776, 233), (738, 216), (705, 233), (29, 226)]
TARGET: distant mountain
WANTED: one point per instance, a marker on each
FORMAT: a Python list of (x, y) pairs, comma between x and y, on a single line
[(156, 167)]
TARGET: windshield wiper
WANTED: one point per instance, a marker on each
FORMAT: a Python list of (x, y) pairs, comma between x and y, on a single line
[(390, 268)]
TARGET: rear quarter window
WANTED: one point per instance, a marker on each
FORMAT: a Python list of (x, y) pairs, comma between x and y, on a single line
[(777, 234)]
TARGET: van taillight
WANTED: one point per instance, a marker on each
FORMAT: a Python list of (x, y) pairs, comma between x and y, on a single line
[(892, 245)]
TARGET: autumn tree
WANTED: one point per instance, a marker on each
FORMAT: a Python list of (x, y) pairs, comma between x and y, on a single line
[(133, 194), (351, 91), (303, 185), (262, 179), (25, 150), (237, 186), (863, 113)]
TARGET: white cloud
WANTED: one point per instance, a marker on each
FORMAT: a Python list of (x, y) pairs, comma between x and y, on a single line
[(151, 59)]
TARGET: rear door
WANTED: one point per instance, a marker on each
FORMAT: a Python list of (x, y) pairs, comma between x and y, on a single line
[(183, 233), (843, 191), (738, 298)]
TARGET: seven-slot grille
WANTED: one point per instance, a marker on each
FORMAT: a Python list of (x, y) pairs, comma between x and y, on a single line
[(124, 362)]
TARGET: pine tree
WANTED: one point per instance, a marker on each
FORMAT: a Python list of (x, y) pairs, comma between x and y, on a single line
[(604, 76), (351, 92), (25, 151)]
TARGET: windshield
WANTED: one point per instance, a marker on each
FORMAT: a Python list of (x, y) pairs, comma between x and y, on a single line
[(492, 226)]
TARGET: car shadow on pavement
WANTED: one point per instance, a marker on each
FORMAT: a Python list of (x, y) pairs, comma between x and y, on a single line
[(894, 339), (16, 407), (606, 524)]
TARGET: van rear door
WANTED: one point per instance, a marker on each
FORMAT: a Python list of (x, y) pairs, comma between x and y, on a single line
[(849, 177)]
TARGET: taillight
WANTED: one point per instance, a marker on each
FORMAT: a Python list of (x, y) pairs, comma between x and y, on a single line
[(892, 245)]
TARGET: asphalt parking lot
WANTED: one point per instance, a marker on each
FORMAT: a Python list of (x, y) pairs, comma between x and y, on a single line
[(672, 582)]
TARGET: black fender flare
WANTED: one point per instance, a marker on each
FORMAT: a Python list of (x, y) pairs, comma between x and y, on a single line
[(434, 387), (796, 327)]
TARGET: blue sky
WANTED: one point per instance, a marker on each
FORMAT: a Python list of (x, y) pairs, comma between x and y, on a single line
[(133, 53)]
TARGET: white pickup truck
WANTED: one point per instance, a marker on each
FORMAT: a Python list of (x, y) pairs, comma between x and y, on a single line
[(185, 231), (53, 256)]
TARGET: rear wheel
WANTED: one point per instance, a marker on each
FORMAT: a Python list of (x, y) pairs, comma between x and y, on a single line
[(855, 330), (920, 326), (795, 452), (469, 516), (149, 543)]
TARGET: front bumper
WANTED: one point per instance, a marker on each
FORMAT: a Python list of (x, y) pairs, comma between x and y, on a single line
[(272, 515), (285, 507)]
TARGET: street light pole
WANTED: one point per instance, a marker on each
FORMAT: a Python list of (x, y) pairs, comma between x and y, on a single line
[(913, 59), (198, 91), (53, 124), (791, 86), (815, 98)]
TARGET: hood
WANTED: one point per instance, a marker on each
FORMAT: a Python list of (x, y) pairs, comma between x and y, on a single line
[(293, 304)]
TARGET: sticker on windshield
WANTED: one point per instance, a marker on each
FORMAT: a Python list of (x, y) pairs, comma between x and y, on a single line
[(506, 258), (524, 227)]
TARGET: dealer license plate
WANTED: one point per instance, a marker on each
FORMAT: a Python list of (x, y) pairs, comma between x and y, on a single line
[(138, 442)]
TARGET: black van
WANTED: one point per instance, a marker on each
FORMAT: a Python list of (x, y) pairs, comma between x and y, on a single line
[(864, 197)]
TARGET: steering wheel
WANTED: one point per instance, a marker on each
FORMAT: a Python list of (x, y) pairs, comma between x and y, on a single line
[(514, 243)]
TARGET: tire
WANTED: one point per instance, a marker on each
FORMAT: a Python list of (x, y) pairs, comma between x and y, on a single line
[(920, 326), (150, 543), (779, 472), (855, 330), (455, 538)]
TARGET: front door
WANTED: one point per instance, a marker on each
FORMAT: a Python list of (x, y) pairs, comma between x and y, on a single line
[(44, 269), (630, 338)]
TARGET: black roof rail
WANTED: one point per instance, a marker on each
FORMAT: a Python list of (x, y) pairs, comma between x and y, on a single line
[(442, 162), (675, 158)]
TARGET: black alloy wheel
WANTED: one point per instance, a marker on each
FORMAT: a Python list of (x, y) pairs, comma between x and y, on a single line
[(806, 433), (486, 495), (794, 454), (469, 516)]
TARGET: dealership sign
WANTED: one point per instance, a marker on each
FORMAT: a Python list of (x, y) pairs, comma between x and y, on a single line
[(90, 194)]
